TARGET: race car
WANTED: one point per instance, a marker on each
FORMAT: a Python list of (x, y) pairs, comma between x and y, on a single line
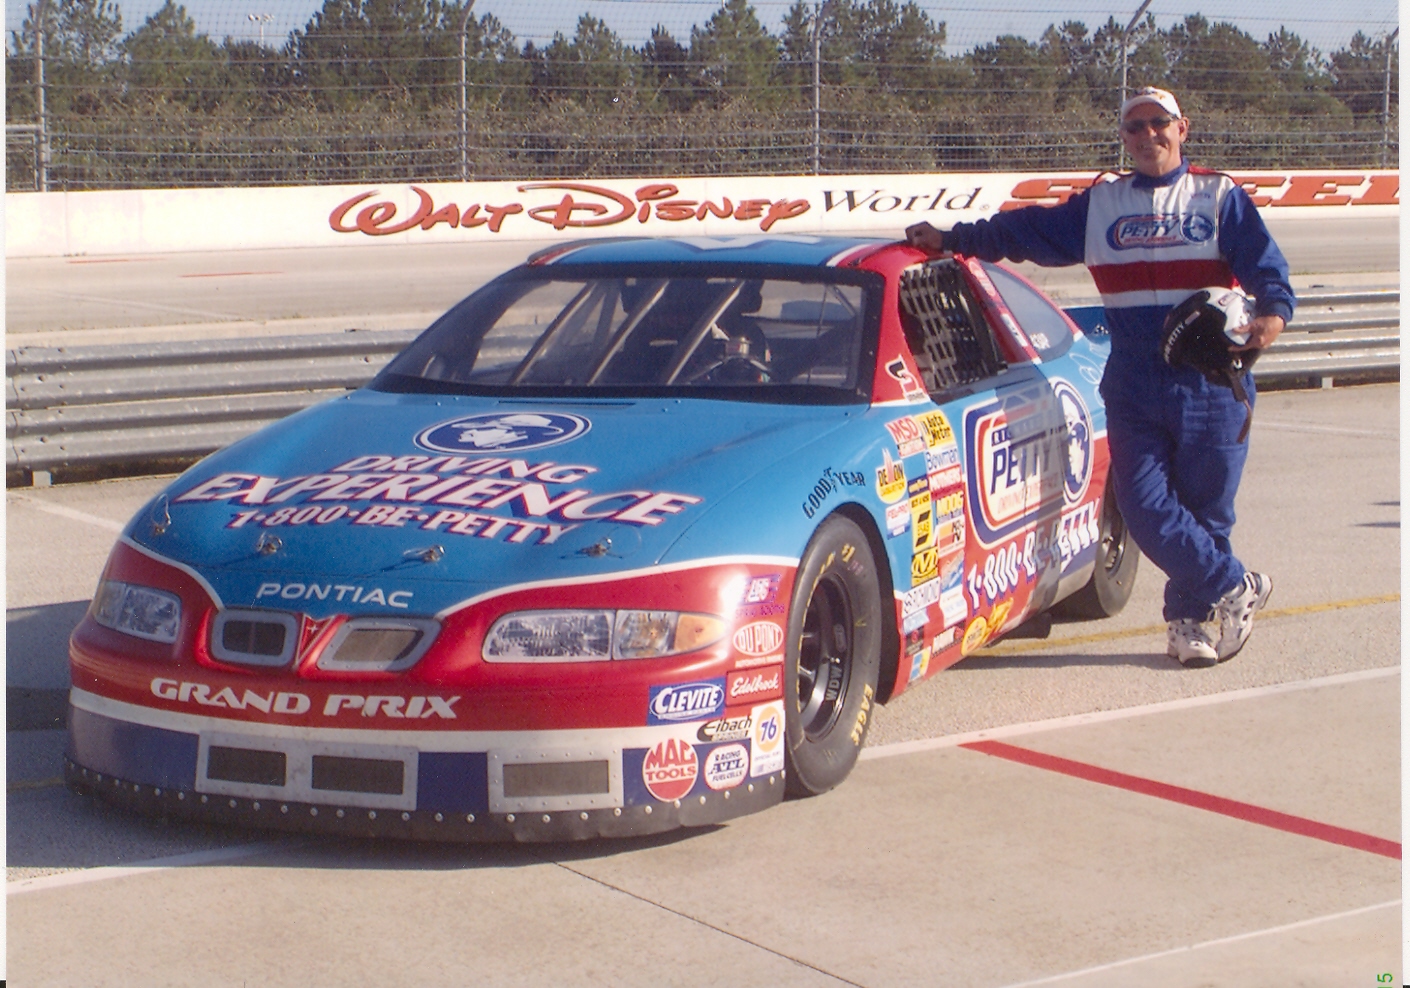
[(636, 537)]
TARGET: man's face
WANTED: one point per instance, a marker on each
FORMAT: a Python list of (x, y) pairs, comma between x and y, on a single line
[(1154, 146)]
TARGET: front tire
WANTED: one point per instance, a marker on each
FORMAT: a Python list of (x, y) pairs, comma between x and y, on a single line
[(1114, 577), (834, 657)]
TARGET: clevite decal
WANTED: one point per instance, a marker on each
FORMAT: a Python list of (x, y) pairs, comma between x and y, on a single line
[(683, 702)]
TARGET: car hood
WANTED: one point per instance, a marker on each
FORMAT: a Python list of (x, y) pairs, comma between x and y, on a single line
[(378, 502)]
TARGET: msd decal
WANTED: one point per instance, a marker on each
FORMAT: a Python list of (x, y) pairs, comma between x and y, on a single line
[(1165, 230), (758, 638), (670, 769), (501, 433), (684, 702)]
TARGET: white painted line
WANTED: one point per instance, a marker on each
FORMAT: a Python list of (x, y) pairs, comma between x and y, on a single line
[(1054, 979), (83, 876), (1103, 716), (1327, 430), (72, 514)]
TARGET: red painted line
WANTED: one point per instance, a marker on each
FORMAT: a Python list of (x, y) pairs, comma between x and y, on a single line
[(228, 274), (1190, 797), (104, 260)]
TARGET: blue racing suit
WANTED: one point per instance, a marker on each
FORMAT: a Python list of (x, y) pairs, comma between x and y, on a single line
[(1175, 455)]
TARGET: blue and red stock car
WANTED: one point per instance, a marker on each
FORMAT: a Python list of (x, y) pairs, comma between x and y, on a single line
[(635, 537)]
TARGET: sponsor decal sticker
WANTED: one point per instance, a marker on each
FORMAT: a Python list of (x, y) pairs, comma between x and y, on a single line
[(898, 518), (503, 432), (922, 521), (830, 482), (907, 436), (1160, 230), (726, 729), (683, 702), (925, 565), (937, 429), (974, 636), (758, 638), (946, 639), (1077, 472), (910, 387), (726, 766), (920, 663), (754, 685), (670, 769), (921, 597), (1017, 460), (890, 479), (766, 739)]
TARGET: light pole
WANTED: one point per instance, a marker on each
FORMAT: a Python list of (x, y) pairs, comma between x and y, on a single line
[(817, 88), (39, 15), (1385, 102), (1125, 44), (464, 104), (261, 20)]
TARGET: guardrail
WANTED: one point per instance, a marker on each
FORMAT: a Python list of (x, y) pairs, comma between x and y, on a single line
[(90, 406)]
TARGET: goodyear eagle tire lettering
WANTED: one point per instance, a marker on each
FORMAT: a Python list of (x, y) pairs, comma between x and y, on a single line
[(834, 657)]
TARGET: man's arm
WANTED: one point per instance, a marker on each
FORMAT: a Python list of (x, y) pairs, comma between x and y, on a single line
[(1259, 265), (1048, 235)]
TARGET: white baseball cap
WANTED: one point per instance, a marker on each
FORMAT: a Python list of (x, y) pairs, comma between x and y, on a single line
[(1149, 94)]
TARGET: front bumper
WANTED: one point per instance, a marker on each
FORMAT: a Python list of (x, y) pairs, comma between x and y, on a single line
[(448, 786)]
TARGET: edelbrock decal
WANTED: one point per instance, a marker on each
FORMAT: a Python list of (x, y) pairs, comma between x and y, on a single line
[(501, 432)]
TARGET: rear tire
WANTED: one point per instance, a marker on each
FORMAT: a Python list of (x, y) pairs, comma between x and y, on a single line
[(1107, 592), (833, 659)]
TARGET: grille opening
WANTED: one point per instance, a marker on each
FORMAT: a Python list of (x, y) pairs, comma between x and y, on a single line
[(376, 646), (253, 637), (375, 775), (556, 779), (248, 765)]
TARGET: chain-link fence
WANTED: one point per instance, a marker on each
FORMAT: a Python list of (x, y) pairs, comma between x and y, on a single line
[(424, 90)]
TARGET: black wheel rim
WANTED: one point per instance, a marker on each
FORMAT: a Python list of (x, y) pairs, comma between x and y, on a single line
[(825, 657), (1113, 544)]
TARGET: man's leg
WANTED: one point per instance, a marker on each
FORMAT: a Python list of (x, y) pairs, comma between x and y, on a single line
[(1150, 457)]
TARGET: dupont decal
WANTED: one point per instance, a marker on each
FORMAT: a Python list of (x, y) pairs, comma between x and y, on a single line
[(685, 702), (754, 685), (1017, 462), (1078, 468), (726, 729), (1162, 230), (726, 766), (513, 500), (670, 769), (766, 740), (890, 479), (500, 432), (758, 638)]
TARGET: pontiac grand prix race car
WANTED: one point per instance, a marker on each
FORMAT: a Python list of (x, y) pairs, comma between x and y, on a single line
[(635, 537)]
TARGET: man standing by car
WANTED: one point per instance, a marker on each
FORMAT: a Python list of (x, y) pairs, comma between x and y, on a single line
[(1150, 239)]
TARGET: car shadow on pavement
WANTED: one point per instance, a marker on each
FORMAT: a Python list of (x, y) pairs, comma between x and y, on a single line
[(978, 662)]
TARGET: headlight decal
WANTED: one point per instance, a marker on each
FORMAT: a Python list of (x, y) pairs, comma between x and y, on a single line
[(598, 635), (143, 612)]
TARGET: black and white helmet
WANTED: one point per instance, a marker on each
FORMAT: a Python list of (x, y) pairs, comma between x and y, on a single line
[(1199, 332)]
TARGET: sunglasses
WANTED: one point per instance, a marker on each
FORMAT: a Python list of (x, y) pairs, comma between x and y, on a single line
[(1139, 126)]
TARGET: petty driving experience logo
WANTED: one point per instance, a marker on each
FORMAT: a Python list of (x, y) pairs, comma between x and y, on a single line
[(502, 432), (1077, 471), (1162, 230)]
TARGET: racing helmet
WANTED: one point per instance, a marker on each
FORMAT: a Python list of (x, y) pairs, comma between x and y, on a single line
[(1199, 332)]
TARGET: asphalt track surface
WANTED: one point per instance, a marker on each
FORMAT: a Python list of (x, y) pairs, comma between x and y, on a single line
[(1074, 811)]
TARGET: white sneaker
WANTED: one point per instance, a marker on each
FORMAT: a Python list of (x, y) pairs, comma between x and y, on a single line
[(1190, 643), (1236, 609)]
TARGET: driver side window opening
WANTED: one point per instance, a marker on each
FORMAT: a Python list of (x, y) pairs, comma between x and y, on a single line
[(945, 327)]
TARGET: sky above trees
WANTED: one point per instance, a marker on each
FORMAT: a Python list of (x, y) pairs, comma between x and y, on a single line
[(1323, 25)]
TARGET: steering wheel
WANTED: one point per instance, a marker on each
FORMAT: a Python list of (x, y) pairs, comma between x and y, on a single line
[(709, 372)]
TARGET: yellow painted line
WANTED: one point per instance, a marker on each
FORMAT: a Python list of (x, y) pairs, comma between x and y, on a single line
[(33, 784), (1042, 644)]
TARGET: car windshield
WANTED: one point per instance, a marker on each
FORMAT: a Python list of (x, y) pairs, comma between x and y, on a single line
[(778, 338)]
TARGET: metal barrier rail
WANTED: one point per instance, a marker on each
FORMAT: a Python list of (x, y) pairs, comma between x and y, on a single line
[(107, 405)]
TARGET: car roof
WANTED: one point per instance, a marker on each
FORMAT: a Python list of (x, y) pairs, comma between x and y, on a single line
[(784, 249)]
